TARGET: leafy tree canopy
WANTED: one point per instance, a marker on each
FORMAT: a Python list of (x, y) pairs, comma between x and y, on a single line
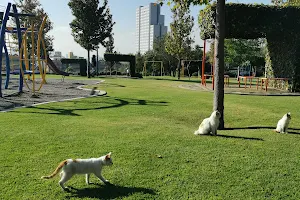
[(92, 24), (34, 7)]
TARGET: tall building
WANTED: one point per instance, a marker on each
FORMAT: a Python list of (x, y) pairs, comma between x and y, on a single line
[(70, 54), (149, 25)]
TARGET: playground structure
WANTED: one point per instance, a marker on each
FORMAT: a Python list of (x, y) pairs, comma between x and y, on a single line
[(25, 60), (36, 57), (30, 62), (263, 83), (3, 29), (246, 71), (246, 75), (162, 70), (205, 76)]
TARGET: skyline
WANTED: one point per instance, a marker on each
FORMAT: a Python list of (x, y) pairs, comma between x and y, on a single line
[(124, 30)]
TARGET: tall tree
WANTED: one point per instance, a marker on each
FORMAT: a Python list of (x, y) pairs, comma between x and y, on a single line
[(109, 48), (109, 45), (178, 40), (219, 51), (92, 25), (238, 51), (35, 7), (219, 61), (196, 54), (139, 60), (159, 49), (151, 55)]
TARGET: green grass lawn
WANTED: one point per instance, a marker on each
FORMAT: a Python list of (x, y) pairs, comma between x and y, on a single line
[(141, 119)]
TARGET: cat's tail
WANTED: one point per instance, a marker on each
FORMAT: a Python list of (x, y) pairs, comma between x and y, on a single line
[(61, 165)]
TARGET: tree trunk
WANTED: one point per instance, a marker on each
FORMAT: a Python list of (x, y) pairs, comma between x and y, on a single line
[(97, 63), (219, 61), (110, 68), (188, 69), (178, 69), (88, 65)]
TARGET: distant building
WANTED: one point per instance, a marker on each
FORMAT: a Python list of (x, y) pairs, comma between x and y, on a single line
[(149, 25), (70, 54), (56, 55)]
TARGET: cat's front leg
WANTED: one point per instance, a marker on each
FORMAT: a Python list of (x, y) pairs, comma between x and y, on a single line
[(102, 178), (87, 179), (214, 131)]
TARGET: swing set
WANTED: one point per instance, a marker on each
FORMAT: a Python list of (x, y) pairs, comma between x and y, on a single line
[(162, 70)]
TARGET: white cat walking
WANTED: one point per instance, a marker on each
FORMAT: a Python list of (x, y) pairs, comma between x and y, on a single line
[(209, 125), (71, 167), (283, 123)]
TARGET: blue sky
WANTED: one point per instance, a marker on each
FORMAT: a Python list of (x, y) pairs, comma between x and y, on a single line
[(123, 14)]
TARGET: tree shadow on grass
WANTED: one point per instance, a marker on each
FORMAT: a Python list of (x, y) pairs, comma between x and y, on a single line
[(108, 192), (110, 102), (176, 80)]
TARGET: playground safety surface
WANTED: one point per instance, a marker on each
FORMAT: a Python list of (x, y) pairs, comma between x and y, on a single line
[(54, 90)]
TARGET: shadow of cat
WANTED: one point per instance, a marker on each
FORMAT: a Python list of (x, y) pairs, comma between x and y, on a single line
[(108, 191), (234, 137), (290, 130), (239, 137)]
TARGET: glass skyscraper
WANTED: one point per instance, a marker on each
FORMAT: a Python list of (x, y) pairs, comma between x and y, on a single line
[(149, 25)]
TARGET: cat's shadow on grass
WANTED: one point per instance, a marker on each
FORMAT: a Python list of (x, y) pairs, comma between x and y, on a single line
[(109, 191), (290, 130), (233, 137)]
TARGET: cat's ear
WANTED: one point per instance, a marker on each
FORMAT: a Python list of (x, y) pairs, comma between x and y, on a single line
[(108, 156)]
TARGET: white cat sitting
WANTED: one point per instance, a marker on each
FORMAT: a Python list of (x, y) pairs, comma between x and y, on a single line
[(71, 167), (283, 123), (209, 125)]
